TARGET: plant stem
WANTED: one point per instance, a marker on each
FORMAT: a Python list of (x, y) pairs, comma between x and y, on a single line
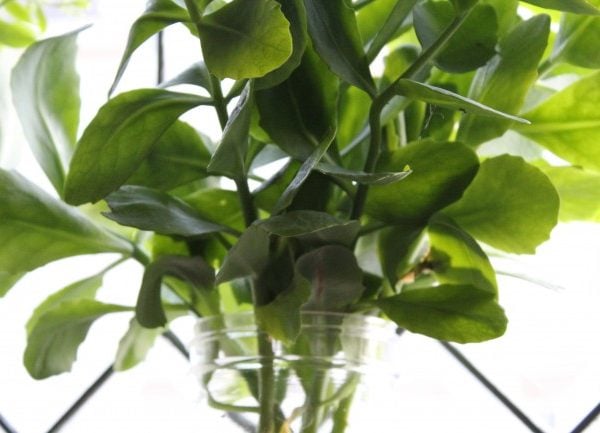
[(384, 97), (247, 201), (266, 385)]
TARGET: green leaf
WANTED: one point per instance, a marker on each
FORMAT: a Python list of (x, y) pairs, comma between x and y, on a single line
[(510, 205), (217, 205), (192, 270), (445, 98), (281, 318), (470, 47), (248, 257), (82, 289), (463, 5), (179, 157), (579, 192), (120, 138), (37, 229), (53, 342), (440, 174), (295, 13), (134, 345), (312, 227), (229, 158), (158, 15), (353, 114), (460, 313), (399, 250), (7, 281), (456, 258), (16, 34), (578, 41), (334, 32), (393, 20), (45, 89), (568, 123), (147, 209), (298, 113), (505, 81), (576, 6), (303, 174), (506, 14), (197, 75), (360, 176), (334, 276), (245, 39)]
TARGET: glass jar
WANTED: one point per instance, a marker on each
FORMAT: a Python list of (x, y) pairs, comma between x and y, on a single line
[(335, 377)]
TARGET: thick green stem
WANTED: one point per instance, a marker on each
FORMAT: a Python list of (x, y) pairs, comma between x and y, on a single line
[(266, 385), (247, 202), (382, 99)]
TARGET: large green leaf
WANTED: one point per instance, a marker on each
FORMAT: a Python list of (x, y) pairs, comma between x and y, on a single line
[(360, 176), (440, 174), (334, 32), (148, 209), (510, 205), (505, 81), (248, 257), (7, 280), (578, 41), (460, 313), (470, 47), (575, 6), (192, 270), (300, 111), (456, 258), (82, 289), (158, 15), (45, 89), (245, 39), (197, 75), (134, 345), (568, 123), (179, 157), (217, 205), (579, 192), (16, 34), (399, 250), (229, 158), (295, 13), (120, 138), (334, 276), (37, 229), (444, 98), (506, 14), (53, 342)]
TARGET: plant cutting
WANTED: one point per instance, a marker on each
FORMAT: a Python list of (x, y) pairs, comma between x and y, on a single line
[(411, 139)]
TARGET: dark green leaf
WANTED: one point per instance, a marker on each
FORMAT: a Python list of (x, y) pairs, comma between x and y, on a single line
[(460, 313), (334, 32), (179, 157), (456, 258), (397, 15), (576, 6), (217, 205), (245, 39), (295, 13), (312, 227), (45, 88), (134, 345), (37, 229), (445, 98), (8, 280), (53, 342), (16, 34), (229, 159), (193, 270), (83, 289), (120, 138), (578, 41), (470, 47), (298, 113), (361, 176), (463, 5), (334, 276), (248, 257), (510, 205), (304, 172), (399, 250), (579, 192), (506, 13), (353, 114), (568, 123), (505, 81), (440, 174), (147, 209), (158, 15), (197, 75)]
